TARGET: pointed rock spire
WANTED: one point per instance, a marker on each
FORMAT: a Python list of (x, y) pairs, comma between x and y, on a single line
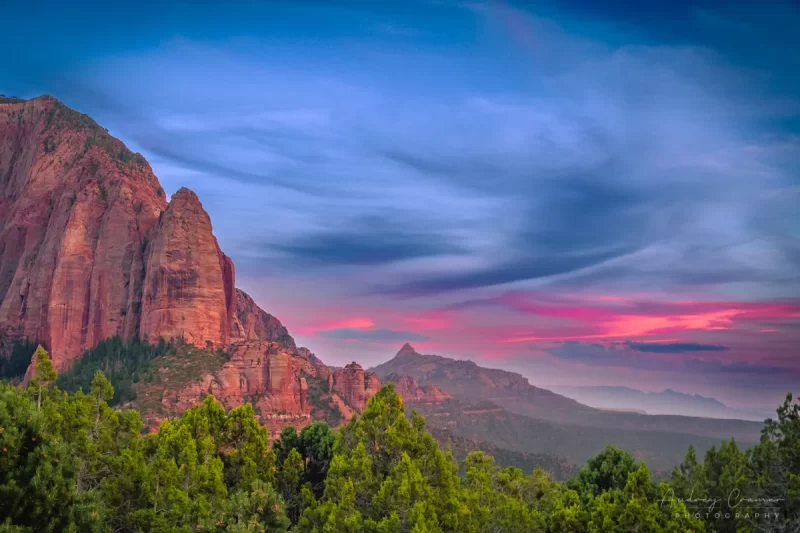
[(406, 350), (189, 283)]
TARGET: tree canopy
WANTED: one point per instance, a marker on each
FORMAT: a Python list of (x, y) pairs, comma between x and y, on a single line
[(71, 462)]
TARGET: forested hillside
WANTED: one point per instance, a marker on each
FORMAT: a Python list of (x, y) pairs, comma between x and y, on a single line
[(70, 462)]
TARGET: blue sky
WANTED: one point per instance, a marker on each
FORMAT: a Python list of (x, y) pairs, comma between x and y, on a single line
[(542, 187)]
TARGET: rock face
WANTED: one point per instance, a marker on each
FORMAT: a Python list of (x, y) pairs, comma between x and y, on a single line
[(189, 283), (275, 377), (75, 209), (411, 391), (89, 247), (354, 385), (251, 322), (270, 376)]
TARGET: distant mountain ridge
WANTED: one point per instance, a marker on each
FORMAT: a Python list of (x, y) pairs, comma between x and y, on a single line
[(465, 379), (503, 408), (667, 402)]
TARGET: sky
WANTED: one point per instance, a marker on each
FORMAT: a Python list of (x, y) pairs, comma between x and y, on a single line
[(589, 193)]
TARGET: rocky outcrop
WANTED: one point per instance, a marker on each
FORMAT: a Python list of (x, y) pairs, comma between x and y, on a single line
[(267, 375), (354, 385), (251, 322), (75, 209), (189, 283), (275, 380), (411, 391)]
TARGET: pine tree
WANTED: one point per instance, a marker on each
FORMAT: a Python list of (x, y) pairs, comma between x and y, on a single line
[(290, 478), (383, 465), (44, 372), (36, 470)]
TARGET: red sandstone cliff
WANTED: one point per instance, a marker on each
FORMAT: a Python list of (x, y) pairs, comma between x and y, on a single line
[(267, 374), (286, 386), (354, 385), (252, 322), (89, 247), (75, 208), (189, 283)]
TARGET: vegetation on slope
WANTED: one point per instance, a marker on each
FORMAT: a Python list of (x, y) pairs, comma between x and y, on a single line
[(124, 364), (95, 134), (140, 371), (556, 467), (175, 371), (320, 400), (19, 357)]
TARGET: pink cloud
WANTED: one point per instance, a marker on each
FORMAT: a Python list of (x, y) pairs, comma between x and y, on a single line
[(622, 318), (356, 322), (434, 320)]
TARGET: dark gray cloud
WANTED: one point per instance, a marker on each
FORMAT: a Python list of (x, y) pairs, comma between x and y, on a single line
[(675, 347), (598, 354), (380, 335), (368, 240)]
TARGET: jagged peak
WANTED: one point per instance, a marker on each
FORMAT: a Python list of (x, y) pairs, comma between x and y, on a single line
[(406, 350)]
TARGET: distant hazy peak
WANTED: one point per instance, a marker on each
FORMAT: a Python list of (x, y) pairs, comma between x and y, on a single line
[(406, 350)]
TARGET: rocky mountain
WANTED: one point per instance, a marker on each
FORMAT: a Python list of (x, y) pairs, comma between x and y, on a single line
[(188, 289), (251, 322), (503, 408), (76, 210), (90, 248), (465, 379)]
